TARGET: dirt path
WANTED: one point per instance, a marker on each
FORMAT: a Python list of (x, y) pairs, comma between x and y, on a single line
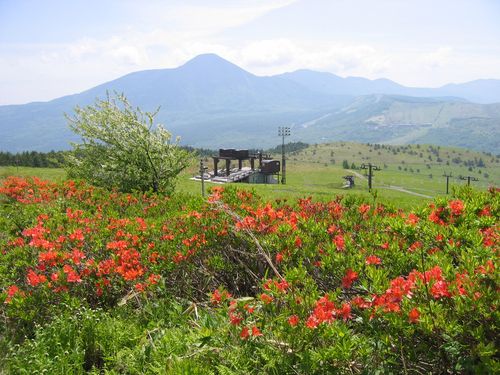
[(359, 175), (392, 187), (403, 190)]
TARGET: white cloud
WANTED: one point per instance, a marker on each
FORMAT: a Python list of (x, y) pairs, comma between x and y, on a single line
[(130, 55), (82, 48), (176, 33), (172, 34), (278, 55), (268, 53), (438, 58), (213, 19)]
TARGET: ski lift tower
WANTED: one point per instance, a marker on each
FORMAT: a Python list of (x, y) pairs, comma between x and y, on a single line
[(283, 131)]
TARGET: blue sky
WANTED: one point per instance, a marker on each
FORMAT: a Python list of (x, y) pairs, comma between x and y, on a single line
[(53, 48)]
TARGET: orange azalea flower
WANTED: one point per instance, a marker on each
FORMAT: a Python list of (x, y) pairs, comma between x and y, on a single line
[(349, 278), (298, 242), (414, 315), (456, 206), (412, 219), (440, 289), (35, 279), (11, 292), (363, 208), (373, 259), (293, 320), (266, 298), (345, 311), (256, 332), (235, 319), (339, 242), (244, 333)]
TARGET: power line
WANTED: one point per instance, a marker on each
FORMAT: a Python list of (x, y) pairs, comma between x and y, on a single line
[(468, 178), (370, 168), (447, 181)]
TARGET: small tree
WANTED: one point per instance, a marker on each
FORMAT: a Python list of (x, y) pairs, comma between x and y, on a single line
[(123, 148)]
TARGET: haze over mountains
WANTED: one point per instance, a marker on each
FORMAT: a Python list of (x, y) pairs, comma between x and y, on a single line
[(211, 102)]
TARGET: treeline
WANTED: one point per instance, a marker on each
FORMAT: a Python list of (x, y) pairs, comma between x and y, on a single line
[(200, 152), (52, 159), (289, 147), (56, 159)]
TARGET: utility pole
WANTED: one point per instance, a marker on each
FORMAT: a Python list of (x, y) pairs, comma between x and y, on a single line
[(283, 131), (469, 179), (202, 175), (370, 168), (447, 181)]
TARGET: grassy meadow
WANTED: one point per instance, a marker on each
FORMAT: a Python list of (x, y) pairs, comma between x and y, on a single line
[(318, 171), (409, 175), (102, 282), (53, 174)]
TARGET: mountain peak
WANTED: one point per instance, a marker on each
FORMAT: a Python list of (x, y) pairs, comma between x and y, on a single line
[(210, 62), (206, 57)]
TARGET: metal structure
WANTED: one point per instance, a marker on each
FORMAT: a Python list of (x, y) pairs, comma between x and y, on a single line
[(202, 176), (370, 168), (283, 131), (231, 154), (447, 181), (267, 172), (349, 180), (468, 178)]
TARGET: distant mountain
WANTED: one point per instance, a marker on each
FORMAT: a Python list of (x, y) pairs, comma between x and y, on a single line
[(211, 102), (206, 96), (208, 83), (329, 83), (401, 120), (480, 91)]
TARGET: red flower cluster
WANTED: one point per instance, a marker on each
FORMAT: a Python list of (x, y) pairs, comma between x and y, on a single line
[(326, 312), (349, 277), (456, 206)]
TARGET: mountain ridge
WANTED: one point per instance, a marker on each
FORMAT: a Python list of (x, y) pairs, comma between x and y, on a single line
[(211, 102), (364, 86), (207, 59)]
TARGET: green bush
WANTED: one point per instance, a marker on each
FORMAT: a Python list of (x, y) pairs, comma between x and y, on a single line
[(122, 147), (141, 283)]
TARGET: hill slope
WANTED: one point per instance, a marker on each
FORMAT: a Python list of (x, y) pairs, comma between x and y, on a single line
[(479, 91), (205, 96), (211, 102), (403, 120)]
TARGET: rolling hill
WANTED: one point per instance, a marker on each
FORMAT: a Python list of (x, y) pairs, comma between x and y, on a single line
[(482, 91), (404, 120), (211, 102)]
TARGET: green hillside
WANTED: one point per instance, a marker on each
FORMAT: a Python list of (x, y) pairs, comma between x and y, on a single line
[(102, 282), (409, 120), (211, 103), (409, 174)]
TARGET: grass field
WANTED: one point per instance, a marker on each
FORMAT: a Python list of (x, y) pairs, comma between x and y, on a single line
[(318, 171), (45, 173), (96, 281), (409, 175), (310, 179)]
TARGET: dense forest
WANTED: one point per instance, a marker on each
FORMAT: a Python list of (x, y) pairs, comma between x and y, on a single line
[(56, 159), (52, 159)]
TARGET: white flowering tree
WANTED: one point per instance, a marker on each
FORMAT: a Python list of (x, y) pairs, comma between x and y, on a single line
[(122, 147)]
